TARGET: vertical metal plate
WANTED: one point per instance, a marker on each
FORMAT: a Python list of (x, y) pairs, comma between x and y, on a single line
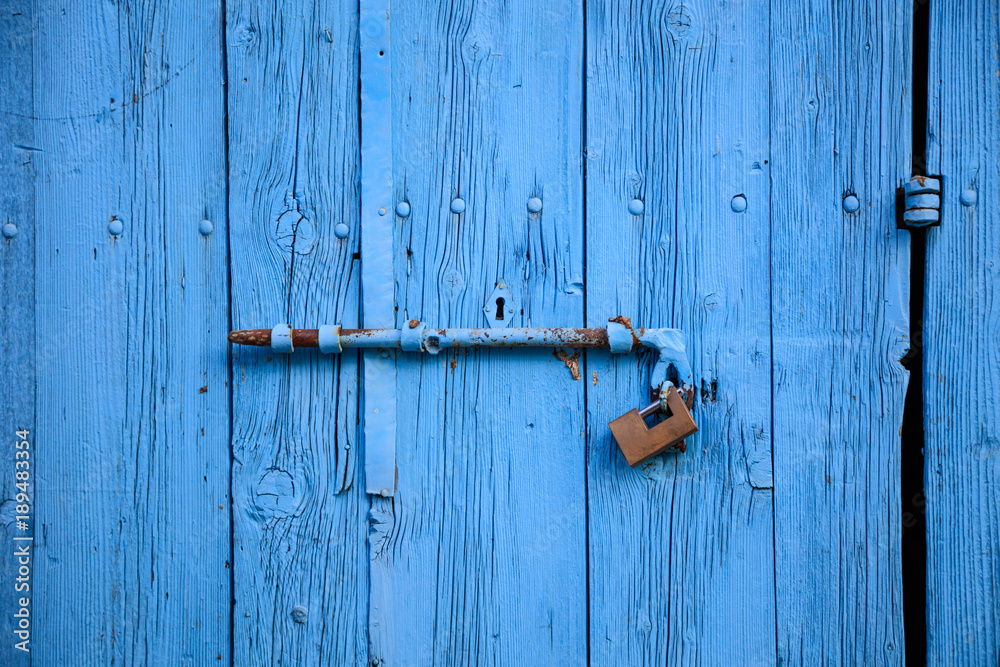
[(377, 284)]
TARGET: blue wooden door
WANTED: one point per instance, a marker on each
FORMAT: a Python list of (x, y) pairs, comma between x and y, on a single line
[(173, 171)]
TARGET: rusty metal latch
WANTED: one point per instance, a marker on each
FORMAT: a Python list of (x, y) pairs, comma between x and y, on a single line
[(637, 442)]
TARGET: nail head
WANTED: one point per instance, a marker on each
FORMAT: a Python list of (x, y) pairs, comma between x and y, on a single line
[(968, 197), (636, 207), (534, 204), (738, 204), (205, 227), (10, 230), (457, 205), (384, 493), (341, 230), (381, 211), (851, 203), (403, 209), (115, 227)]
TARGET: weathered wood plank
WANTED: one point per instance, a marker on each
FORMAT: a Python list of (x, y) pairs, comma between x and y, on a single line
[(840, 110), (133, 427), (480, 558), (17, 309), (681, 567), (961, 330), (299, 511)]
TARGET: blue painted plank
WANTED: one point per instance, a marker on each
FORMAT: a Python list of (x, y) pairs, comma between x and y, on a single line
[(17, 313), (681, 568), (299, 510), (840, 125), (961, 330), (132, 436), (480, 558)]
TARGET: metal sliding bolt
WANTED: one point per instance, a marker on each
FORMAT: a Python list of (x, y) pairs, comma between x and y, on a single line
[(418, 337), (637, 441)]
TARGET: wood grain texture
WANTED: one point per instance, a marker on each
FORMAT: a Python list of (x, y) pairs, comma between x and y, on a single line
[(299, 512), (960, 337), (840, 109), (681, 567), (132, 438), (17, 285), (480, 558)]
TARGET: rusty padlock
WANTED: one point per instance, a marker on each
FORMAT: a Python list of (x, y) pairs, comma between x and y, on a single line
[(640, 443)]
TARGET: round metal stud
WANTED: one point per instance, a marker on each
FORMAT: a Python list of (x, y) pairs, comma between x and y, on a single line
[(205, 227), (403, 209), (9, 230), (341, 230), (636, 207), (851, 203), (115, 227), (534, 205), (382, 211), (968, 197), (738, 204), (457, 205)]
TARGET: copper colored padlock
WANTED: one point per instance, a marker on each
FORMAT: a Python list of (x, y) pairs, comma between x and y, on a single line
[(640, 443)]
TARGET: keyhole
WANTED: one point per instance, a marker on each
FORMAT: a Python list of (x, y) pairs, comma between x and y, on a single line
[(499, 316)]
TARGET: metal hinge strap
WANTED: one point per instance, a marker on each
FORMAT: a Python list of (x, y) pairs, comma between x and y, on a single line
[(377, 282)]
